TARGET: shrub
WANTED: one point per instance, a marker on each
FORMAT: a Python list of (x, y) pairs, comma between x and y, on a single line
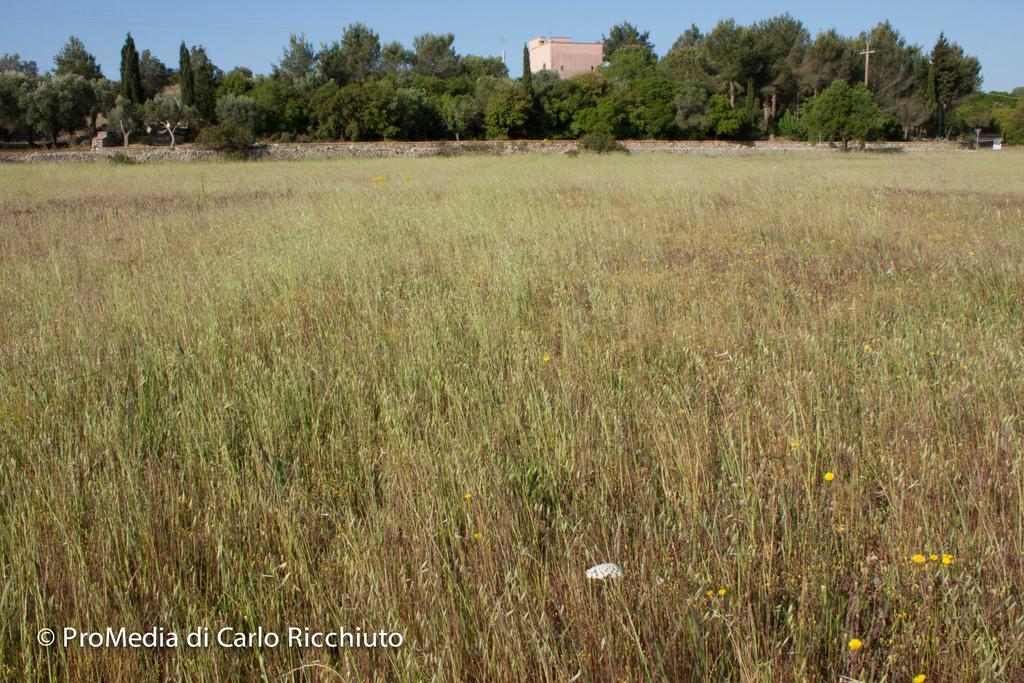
[(601, 143), (792, 127), (233, 140), (121, 159)]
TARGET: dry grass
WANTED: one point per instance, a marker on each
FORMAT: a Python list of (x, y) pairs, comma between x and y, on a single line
[(256, 394)]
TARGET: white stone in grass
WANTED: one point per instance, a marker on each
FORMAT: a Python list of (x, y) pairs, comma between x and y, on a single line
[(608, 570)]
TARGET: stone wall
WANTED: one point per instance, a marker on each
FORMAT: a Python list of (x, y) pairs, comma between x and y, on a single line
[(378, 150)]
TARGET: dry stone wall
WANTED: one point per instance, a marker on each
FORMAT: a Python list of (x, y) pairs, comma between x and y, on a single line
[(378, 150)]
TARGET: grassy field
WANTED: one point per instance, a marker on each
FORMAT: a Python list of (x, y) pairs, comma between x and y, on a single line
[(426, 395)]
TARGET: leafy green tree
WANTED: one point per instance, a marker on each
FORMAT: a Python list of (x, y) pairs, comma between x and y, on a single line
[(955, 75), (730, 52), (356, 58), (843, 113), (1018, 92), (168, 115), (779, 46), (131, 75), (459, 113), (242, 112), (792, 127), (652, 111), (435, 55), (728, 121), (625, 35), (186, 78), (610, 116), (126, 117), (474, 66), (74, 60), (60, 104), (631, 63), (16, 88), (299, 59), (693, 102), (1010, 121), (829, 58), (105, 96), (898, 78), (527, 71), (238, 81), (14, 62), (396, 60), (205, 77), (154, 75), (508, 111), (286, 104), (563, 101)]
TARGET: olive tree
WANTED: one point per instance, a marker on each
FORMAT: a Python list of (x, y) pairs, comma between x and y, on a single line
[(168, 115)]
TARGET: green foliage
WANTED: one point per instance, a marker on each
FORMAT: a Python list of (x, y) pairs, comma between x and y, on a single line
[(169, 115), (60, 104), (527, 71), (230, 139), (186, 78), (435, 56), (955, 76), (630, 63), (205, 77), (14, 62), (126, 118), (121, 159), (979, 111), (652, 111), (601, 143), (154, 74), (241, 112), (841, 113), (238, 81), (508, 112), (131, 74), (298, 61), (728, 121), (792, 127), (610, 116), (353, 60), (16, 88), (625, 35), (1010, 120), (74, 60)]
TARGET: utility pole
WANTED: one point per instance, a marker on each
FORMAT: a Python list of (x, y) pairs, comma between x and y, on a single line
[(867, 52)]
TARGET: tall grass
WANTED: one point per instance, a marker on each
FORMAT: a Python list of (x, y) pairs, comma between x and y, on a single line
[(426, 395)]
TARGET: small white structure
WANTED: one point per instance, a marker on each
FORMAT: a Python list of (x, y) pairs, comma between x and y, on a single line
[(608, 570)]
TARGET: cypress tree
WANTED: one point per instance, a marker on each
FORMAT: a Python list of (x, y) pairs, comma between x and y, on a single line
[(185, 77), (131, 75), (527, 75)]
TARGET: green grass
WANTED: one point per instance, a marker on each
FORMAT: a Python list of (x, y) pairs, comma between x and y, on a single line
[(256, 395)]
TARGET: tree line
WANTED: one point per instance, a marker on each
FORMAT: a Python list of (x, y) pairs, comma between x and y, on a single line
[(734, 82)]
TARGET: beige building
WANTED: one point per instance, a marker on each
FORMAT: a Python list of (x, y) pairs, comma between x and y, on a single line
[(562, 55)]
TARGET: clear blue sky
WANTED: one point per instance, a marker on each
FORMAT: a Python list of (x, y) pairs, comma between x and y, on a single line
[(253, 32)]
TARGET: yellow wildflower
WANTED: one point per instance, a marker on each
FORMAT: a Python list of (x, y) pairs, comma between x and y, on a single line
[(829, 476), (721, 592), (947, 559), (377, 180), (467, 496), (794, 444), (933, 557), (547, 358), (919, 678), (855, 644), (478, 535), (710, 593), (919, 559)]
